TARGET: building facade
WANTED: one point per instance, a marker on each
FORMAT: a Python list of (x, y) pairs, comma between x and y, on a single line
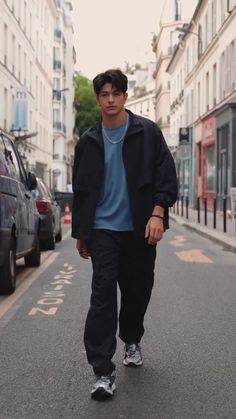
[(205, 61), (63, 97), (174, 14), (27, 89), (141, 92)]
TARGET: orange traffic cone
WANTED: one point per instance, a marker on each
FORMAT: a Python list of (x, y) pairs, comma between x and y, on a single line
[(67, 214)]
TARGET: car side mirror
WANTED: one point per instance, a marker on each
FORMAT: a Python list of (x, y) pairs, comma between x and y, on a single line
[(31, 181)]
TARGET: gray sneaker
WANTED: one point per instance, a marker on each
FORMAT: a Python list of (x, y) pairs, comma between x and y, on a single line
[(133, 356), (104, 387)]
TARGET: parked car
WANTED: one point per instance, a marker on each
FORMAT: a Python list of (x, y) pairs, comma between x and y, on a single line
[(19, 218), (50, 216)]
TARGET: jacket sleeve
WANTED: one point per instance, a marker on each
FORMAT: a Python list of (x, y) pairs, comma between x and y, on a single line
[(165, 179), (75, 203)]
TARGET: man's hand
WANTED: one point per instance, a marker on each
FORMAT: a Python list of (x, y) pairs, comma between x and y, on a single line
[(82, 249), (154, 230)]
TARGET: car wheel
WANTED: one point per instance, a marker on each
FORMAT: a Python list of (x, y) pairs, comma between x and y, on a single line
[(59, 235), (34, 258), (51, 242), (8, 271)]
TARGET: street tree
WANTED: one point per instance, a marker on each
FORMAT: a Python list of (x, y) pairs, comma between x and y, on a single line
[(87, 111)]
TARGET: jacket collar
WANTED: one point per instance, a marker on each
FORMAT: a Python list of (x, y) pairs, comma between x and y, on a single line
[(135, 126)]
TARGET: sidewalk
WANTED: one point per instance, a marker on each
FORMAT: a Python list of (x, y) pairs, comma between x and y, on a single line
[(227, 240)]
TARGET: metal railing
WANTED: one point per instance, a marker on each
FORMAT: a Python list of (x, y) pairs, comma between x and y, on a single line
[(203, 212)]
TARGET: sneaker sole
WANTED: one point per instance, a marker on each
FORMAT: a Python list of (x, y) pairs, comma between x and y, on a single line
[(102, 394), (132, 364)]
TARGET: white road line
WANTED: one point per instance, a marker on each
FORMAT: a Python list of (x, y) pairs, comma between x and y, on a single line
[(8, 302)]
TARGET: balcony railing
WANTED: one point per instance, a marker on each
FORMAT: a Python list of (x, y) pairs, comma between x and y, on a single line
[(57, 95), (57, 34), (56, 65), (57, 125)]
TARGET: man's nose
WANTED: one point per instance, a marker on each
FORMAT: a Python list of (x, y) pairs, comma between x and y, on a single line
[(110, 97)]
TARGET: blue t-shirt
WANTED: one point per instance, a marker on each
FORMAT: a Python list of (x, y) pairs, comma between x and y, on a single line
[(113, 209)]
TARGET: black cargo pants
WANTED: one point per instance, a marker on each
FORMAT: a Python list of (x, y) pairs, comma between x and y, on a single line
[(117, 257)]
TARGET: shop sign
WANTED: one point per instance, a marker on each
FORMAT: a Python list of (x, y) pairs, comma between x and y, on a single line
[(20, 118), (183, 136)]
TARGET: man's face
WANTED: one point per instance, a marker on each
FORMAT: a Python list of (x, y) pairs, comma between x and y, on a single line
[(111, 100)]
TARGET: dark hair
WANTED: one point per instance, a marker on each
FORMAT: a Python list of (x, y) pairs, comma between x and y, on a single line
[(115, 77)]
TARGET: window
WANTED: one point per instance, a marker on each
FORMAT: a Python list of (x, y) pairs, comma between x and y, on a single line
[(11, 159), (5, 44), (228, 70), (232, 66), (56, 115), (198, 99), (206, 30), (187, 61), (25, 69), (177, 9), (19, 61), (5, 107), (214, 84), (200, 46), (223, 7), (213, 8), (222, 76), (210, 168), (13, 53), (207, 91)]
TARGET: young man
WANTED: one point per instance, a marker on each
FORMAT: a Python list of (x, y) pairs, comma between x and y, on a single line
[(124, 181)]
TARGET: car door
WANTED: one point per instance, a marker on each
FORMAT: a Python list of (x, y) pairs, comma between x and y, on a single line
[(13, 181), (25, 223)]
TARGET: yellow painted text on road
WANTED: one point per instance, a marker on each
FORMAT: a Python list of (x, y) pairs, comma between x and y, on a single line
[(179, 241), (193, 255)]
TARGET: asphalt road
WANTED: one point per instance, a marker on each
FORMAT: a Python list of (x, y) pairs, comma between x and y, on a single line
[(189, 346)]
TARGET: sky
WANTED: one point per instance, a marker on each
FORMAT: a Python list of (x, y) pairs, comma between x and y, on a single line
[(109, 33)]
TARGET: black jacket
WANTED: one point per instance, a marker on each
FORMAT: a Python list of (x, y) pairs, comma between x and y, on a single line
[(150, 172)]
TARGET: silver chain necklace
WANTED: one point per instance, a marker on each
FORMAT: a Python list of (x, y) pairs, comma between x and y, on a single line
[(120, 139)]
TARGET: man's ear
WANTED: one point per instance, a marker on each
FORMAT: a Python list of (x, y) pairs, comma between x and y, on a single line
[(126, 96)]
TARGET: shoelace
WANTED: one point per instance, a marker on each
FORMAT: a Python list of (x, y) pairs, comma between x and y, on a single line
[(132, 349), (104, 379)]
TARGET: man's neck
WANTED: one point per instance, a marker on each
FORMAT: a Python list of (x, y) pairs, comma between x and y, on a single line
[(113, 121)]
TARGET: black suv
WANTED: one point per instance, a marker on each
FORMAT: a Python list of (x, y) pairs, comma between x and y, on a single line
[(19, 218)]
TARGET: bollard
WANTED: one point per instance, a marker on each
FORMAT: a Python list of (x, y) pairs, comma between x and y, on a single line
[(224, 215), (187, 207), (182, 206), (214, 213), (198, 210), (205, 211)]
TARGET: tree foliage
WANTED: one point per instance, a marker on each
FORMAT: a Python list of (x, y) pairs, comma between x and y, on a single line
[(132, 68), (87, 111)]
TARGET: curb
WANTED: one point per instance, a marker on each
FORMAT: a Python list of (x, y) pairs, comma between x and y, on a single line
[(229, 243)]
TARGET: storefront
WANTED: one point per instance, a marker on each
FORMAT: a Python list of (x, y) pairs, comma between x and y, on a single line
[(226, 152), (208, 159)]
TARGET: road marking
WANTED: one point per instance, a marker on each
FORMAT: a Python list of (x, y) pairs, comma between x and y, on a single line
[(179, 240), (194, 255), (67, 234), (51, 297), (8, 302)]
